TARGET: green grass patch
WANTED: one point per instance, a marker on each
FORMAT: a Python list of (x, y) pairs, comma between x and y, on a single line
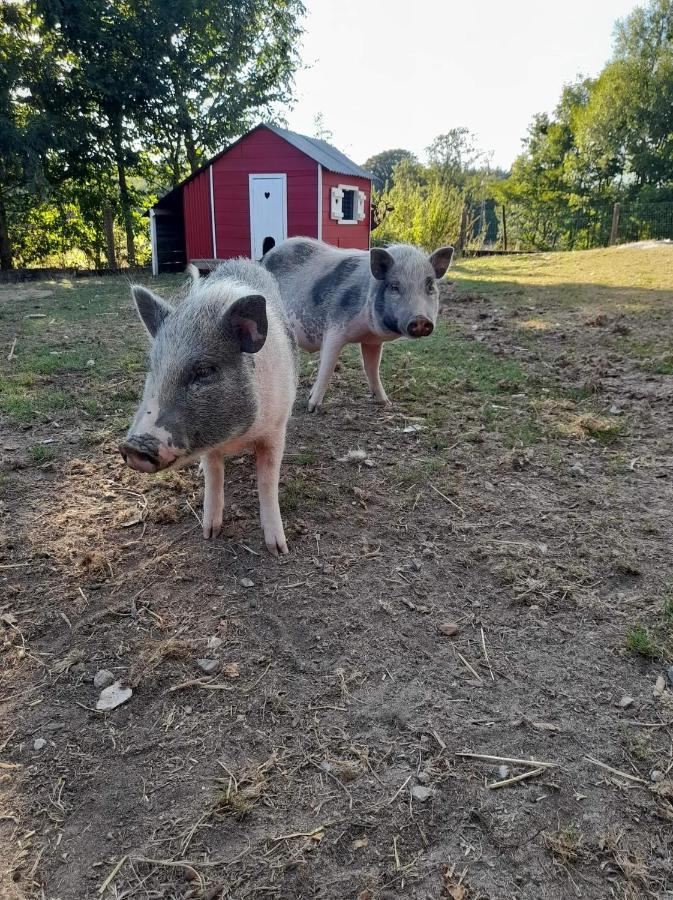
[(639, 640), (444, 361), (42, 453)]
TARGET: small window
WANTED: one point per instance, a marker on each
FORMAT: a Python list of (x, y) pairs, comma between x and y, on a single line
[(347, 204)]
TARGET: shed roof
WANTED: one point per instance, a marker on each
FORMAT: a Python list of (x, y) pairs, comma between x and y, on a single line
[(320, 151)]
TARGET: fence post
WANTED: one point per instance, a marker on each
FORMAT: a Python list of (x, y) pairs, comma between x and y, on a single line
[(614, 231), (504, 229), (108, 228), (462, 239)]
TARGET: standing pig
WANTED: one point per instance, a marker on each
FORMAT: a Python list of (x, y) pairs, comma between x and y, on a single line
[(335, 297), (222, 378)]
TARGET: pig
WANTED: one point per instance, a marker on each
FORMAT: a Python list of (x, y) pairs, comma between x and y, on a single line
[(222, 378), (334, 297)]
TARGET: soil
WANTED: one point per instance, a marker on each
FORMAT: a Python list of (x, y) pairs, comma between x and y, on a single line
[(322, 758)]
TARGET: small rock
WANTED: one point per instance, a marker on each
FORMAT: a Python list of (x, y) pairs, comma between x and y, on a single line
[(188, 710), (616, 411), (214, 643), (369, 462), (114, 696), (503, 771), (626, 702), (659, 686), (420, 793), (109, 835), (577, 469), (247, 583), (39, 743), (102, 679), (669, 675), (448, 628), (209, 666), (354, 456), (423, 777), (656, 775), (326, 766)]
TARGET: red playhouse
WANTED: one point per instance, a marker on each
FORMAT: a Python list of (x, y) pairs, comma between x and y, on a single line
[(269, 185)]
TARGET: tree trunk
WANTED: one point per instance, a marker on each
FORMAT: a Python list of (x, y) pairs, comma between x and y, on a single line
[(108, 228), (6, 255), (124, 198)]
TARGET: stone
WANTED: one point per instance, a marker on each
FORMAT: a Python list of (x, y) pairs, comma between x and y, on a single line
[(420, 793), (209, 666), (39, 743), (625, 702), (102, 679), (113, 696)]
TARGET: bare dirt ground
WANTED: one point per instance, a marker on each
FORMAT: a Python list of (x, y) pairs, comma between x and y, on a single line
[(493, 578)]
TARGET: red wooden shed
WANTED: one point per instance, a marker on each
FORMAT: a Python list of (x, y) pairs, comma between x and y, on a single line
[(269, 185)]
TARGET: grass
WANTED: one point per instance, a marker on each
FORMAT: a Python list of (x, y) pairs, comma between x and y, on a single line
[(42, 453), (638, 640)]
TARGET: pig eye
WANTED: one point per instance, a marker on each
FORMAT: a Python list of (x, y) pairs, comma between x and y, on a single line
[(202, 374), (394, 287), (429, 284)]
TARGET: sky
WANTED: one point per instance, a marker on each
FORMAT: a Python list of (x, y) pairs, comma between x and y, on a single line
[(396, 73)]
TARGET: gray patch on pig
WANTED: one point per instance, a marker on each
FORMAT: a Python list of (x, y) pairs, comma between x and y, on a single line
[(326, 287), (299, 253)]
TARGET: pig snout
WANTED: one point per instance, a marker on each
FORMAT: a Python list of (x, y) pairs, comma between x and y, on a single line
[(144, 454), (420, 327)]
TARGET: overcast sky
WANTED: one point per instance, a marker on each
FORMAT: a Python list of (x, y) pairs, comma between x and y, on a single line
[(396, 73)]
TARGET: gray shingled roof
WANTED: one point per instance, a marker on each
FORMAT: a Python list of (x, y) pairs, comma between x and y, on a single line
[(321, 152)]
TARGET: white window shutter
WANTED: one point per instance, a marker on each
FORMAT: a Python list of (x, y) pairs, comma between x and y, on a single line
[(361, 205), (336, 195)]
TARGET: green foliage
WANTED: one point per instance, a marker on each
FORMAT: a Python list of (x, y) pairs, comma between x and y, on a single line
[(104, 104), (426, 211), (609, 139), (382, 165)]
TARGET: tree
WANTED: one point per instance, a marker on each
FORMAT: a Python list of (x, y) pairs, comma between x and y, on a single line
[(381, 165), (320, 129)]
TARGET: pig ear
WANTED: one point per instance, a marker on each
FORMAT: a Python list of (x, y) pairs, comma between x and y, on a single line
[(151, 309), (246, 323), (380, 262), (440, 260)]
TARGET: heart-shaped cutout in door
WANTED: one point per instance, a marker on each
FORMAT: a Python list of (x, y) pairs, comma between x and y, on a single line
[(267, 194)]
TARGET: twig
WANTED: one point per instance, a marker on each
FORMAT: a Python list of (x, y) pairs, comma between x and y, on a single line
[(448, 499), (255, 683), (466, 663), (508, 759), (603, 765), (174, 864), (104, 886), (196, 515), (397, 858), (515, 778), (399, 791), (298, 834), (11, 352), (483, 646), (199, 682)]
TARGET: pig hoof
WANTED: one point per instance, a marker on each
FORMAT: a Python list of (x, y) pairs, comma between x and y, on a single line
[(211, 530), (277, 546), (313, 407), (382, 400)]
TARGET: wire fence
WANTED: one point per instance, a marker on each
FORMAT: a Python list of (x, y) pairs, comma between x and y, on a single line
[(491, 227)]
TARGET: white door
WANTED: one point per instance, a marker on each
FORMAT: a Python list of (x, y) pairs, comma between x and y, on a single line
[(268, 212)]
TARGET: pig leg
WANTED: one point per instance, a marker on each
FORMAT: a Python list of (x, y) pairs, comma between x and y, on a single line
[(371, 360), (213, 496), (269, 455), (332, 346)]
